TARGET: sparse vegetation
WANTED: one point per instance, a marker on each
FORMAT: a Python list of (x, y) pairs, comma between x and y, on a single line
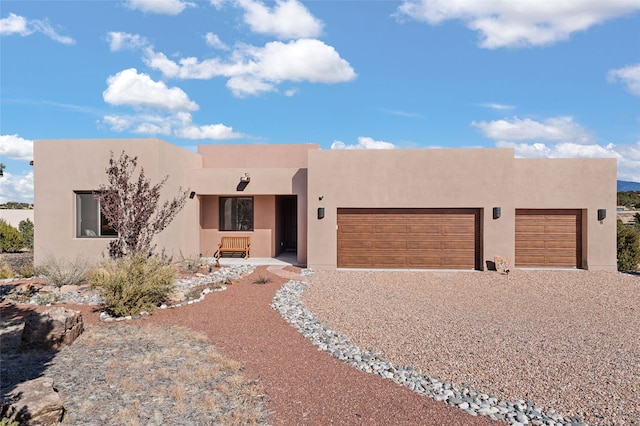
[(262, 280), (630, 199), (134, 283), (63, 272), (5, 271), (47, 298)]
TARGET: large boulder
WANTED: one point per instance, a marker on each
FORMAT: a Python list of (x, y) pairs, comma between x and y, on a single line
[(51, 330), (33, 403)]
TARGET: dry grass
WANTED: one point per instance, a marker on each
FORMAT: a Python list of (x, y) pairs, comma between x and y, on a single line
[(144, 368)]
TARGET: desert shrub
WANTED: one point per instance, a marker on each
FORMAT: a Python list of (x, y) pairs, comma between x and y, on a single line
[(47, 299), (5, 271), (26, 271), (26, 230), (628, 247), (134, 283), (62, 272), (11, 240), (262, 280)]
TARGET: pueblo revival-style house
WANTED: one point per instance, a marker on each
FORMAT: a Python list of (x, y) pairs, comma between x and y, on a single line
[(404, 209)]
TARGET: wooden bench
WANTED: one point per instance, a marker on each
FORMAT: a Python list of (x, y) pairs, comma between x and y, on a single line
[(233, 244)]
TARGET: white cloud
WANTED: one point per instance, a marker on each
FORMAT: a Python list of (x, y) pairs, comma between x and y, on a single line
[(214, 41), (498, 107), (629, 75), (521, 23), (559, 138), (364, 142), (17, 188), (20, 25), (128, 87), (121, 41), (552, 129), (288, 19), (254, 70), (162, 7), (16, 148), (210, 131)]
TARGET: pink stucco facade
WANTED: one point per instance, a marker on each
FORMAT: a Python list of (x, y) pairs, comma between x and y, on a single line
[(287, 184)]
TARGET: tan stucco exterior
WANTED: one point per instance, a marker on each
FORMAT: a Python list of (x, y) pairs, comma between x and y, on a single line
[(311, 178)]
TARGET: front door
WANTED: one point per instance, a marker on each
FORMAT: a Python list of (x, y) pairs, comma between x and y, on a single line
[(287, 222)]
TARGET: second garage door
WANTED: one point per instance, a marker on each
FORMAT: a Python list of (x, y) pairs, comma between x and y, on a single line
[(409, 238), (548, 238)]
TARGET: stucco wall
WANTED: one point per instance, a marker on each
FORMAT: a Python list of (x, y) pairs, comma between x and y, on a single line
[(469, 178), (576, 183), (14, 216), (64, 166)]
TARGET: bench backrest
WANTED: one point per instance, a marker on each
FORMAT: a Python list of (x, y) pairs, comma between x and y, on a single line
[(235, 242)]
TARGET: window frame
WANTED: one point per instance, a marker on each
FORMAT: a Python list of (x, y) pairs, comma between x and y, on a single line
[(100, 222), (225, 227)]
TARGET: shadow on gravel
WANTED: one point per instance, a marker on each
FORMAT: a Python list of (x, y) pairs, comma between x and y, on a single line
[(16, 366)]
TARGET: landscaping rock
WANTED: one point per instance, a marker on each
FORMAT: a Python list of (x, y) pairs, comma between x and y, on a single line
[(51, 330), (34, 402)]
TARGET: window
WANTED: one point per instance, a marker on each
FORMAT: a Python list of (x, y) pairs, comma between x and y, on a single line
[(90, 222), (236, 213)]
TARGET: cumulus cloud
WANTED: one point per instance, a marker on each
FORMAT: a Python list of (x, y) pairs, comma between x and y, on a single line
[(287, 19), (521, 23), (16, 148), (162, 7), (214, 41), (254, 70), (15, 24), (128, 87), (364, 142), (121, 41), (629, 75), (552, 129), (17, 188), (559, 137)]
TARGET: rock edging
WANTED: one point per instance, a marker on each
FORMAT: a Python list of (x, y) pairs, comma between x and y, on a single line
[(287, 301)]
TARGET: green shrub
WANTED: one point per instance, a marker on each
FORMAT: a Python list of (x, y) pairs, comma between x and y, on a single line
[(26, 271), (26, 230), (628, 247), (134, 283), (11, 240), (61, 272)]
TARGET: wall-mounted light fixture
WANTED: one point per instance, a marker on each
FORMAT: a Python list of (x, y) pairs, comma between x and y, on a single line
[(246, 178), (320, 212), (193, 194), (602, 214), (497, 212), (321, 197)]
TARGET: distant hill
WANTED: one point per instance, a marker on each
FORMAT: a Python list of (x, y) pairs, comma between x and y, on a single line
[(628, 186)]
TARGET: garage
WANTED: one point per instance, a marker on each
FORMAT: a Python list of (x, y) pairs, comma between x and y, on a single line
[(548, 238), (408, 238)]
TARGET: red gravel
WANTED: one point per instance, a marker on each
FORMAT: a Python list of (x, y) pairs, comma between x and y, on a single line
[(302, 384)]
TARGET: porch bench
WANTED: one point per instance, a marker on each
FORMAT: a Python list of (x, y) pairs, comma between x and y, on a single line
[(233, 244)]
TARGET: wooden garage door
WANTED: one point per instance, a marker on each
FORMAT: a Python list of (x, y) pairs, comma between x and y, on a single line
[(409, 238), (548, 238)]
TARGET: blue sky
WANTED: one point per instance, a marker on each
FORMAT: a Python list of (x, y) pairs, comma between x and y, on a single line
[(548, 78)]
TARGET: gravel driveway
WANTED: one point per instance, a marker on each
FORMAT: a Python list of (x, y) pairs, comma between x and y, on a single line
[(567, 340)]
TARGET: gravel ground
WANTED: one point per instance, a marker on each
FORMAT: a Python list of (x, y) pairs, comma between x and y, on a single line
[(567, 340)]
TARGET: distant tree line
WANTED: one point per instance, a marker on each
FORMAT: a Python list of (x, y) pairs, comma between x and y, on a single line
[(16, 206), (630, 199)]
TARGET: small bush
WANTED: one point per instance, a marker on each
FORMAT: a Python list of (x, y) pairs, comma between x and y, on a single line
[(5, 271), (47, 299), (628, 247), (62, 272), (134, 283), (11, 240), (26, 230), (262, 280), (27, 271)]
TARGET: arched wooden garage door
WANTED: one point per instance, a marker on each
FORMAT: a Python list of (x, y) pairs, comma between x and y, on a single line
[(409, 238), (548, 238)]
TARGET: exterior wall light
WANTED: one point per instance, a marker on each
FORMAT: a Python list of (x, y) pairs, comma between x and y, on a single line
[(497, 212), (193, 194), (246, 178), (320, 212), (602, 214)]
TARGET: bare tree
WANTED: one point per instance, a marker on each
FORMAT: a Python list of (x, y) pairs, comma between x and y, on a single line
[(131, 206)]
